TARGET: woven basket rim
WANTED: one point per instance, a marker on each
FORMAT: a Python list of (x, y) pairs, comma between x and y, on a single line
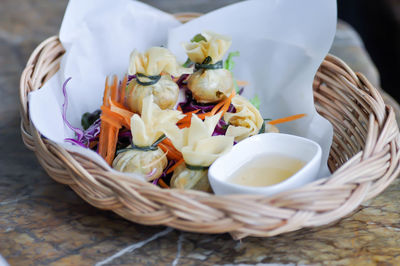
[(241, 215)]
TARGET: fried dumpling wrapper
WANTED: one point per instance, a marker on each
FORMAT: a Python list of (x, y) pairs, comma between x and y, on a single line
[(165, 92), (215, 46), (148, 68), (199, 149), (185, 178), (209, 85), (155, 61), (196, 143), (149, 127), (149, 163), (146, 130), (247, 121)]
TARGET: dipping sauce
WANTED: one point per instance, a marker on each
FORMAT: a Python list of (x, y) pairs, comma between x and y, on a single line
[(266, 170)]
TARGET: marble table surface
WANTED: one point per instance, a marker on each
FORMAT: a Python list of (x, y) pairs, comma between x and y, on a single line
[(46, 223)]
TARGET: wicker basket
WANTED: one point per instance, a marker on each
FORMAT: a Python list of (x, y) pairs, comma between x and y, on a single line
[(364, 159)]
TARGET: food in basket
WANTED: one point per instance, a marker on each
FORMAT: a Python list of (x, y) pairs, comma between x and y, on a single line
[(143, 156), (210, 82), (152, 75), (199, 150), (246, 121), (144, 130)]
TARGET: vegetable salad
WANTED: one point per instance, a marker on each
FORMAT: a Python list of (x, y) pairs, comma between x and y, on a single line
[(144, 128)]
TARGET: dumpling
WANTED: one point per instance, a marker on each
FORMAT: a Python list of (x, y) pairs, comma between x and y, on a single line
[(186, 178), (199, 149), (246, 121), (148, 163), (145, 157), (211, 82), (215, 46), (153, 71), (208, 86), (165, 93)]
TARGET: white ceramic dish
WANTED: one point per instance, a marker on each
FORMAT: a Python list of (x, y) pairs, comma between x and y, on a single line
[(268, 143)]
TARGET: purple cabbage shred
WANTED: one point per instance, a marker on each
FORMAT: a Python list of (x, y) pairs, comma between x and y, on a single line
[(220, 128), (130, 77), (190, 105), (124, 139), (181, 81), (164, 173), (82, 137)]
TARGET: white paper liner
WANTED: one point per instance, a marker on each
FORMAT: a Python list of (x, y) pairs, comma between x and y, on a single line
[(281, 44)]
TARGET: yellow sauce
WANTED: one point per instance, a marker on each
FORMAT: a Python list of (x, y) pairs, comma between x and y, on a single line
[(266, 170)]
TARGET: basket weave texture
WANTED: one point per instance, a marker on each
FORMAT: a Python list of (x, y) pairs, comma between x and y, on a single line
[(364, 159)]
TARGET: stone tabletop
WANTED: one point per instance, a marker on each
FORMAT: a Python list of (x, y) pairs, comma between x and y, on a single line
[(46, 223)]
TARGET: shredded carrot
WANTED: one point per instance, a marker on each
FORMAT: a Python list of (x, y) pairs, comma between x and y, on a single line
[(170, 170), (174, 152), (162, 183), (189, 114), (202, 116), (110, 123), (225, 106), (122, 90), (107, 111), (188, 117), (165, 150), (106, 93), (242, 83), (103, 142), (126, 115), (114, 89), (227, 103), (179, 108), (286, 119), (217, 107), (171, 152), (93, 143), (112, 144), (108, 141), (168, 142), (117, 104), (115, 117)]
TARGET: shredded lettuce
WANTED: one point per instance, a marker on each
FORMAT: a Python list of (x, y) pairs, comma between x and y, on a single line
[(89, 118), (82, 137), (229, 64), (198, 38), (256, 101), (188, 63), (237, 89)]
